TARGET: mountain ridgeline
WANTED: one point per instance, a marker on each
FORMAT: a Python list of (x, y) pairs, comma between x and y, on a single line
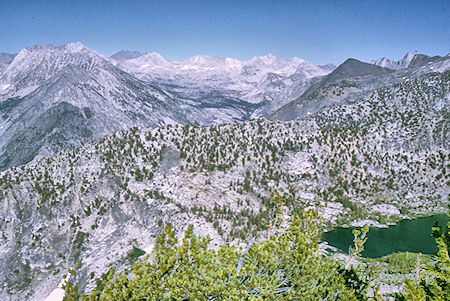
[(117, 147), (102, 95)]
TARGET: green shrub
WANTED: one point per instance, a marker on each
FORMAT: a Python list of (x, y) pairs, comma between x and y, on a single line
[(285, 267)]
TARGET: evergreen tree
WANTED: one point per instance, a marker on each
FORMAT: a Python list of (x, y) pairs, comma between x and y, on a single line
[(288, 266)]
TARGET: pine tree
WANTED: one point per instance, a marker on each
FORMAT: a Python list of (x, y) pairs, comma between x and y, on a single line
[(285, 267)]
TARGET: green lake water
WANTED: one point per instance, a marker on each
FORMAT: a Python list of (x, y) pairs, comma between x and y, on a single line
[(407, 235)]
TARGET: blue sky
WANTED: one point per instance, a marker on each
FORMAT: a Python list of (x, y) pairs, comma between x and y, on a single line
[(315, 30)]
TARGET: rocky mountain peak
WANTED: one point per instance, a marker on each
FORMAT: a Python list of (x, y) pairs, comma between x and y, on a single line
[(395, 65), (352, 67), (36, 64)]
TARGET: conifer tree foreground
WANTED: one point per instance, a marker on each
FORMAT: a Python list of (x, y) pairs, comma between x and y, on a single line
[(285, 267)]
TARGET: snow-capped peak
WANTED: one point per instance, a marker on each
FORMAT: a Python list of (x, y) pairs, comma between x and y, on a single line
[(408, 57), (395, 65), (266, 59), (272, 60), (154, 57), (201, 59), (212, 62), (75, 47)]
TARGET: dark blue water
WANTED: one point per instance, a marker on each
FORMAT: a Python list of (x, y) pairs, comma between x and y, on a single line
[(407, 235)]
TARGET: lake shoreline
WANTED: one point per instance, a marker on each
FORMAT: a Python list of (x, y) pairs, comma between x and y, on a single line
[(408, 235)]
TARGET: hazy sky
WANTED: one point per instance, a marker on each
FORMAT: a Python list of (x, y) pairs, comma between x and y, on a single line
[(318, 31)]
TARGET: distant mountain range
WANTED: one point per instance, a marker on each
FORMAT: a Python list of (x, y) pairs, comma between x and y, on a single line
[(267, 82), (354, 78), (408, 61), (58, 97)]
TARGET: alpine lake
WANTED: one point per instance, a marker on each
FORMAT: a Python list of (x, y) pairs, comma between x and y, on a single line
[(405, 236)]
